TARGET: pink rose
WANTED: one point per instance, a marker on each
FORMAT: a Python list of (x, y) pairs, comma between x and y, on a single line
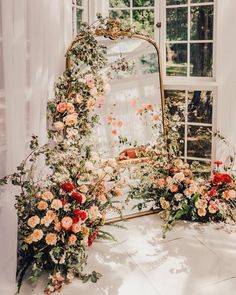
[(61, 107), (70, 108)]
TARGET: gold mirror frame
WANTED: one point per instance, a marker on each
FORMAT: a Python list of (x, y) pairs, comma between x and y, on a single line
[(114, 31)]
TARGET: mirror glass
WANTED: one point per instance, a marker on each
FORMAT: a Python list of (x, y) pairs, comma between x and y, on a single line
[(130, 115)]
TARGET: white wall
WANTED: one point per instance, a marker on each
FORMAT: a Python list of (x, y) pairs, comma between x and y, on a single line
[(226, 69)]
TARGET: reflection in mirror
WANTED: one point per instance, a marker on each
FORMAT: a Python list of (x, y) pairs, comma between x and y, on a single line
[(131, 113)]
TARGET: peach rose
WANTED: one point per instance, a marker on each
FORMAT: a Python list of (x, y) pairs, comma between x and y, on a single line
[(57, 226), (70, 108), (72, 239), (102, 198), (29, 239), (51, 239), (42, 205), (59, 126), (76, 227), (61, 107), (66, 222), (91, 103), (93, 212), (37, 235), (174, 188), (47, 196), (149, 107), (213, 208), (33, 221), (164, 204), (78, 98), (201, 212), (56, 204), (161, 182), (83, 188), (71, 119)]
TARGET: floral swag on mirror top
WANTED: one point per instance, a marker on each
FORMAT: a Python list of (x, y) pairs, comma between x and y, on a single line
[(62, 213)]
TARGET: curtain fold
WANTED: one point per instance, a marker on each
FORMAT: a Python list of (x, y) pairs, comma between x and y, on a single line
[(35, 35)]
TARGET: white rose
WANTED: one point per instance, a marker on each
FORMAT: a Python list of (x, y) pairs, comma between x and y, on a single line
[(93, 212), (59, 126), (71, 120)]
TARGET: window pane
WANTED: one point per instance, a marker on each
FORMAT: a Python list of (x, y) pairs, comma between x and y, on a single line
[(175, 99), (143, 3), (144, 20), (202, 23), (200, 168), (176, 2), (176, 23), (79, 18), (199, 142), (123, 15), (79, 2), (176, 58), (119, 3), (200, 106), (201, 1), (201, 59)]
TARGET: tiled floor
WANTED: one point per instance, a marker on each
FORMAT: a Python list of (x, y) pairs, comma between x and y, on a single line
[(193, 260)]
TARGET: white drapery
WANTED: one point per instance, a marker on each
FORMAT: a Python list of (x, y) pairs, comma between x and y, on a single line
[(33, 38)]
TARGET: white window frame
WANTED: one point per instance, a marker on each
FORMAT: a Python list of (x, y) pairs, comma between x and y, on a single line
[(85, 14)]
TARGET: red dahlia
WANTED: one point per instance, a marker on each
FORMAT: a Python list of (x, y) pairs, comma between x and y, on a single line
[(67, 187)]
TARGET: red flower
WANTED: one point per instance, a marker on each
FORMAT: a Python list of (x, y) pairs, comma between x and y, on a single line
[(81, 214), (67, 187), (91, 239), (77, 196), (218, 162), (76, 219), (63, 200), (213, 192), (221, 178)]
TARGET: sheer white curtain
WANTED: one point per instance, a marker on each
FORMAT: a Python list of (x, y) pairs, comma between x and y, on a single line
[(34, 35)]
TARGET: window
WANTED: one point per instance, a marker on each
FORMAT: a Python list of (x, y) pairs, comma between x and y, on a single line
[(79, 14), (189, 38), (195, 109), (140, 13)]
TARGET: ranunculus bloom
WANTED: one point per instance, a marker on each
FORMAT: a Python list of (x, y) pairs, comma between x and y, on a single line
[(149, 107), (72, 239), (33, 221), (213, 207), (201, 212), (155, 118), (56, 204), (77, 197), (67, 187), (161, 182), (59, 126), (47, 196), (61, 107), (70, 108), (114, 132), (66, 222), (218, 163), (37, 235), (76, 227), (71, 119), (213, 192), (29, 239), (78, 98), (51, 239), (174, 188), (42, 205), (91, 103)]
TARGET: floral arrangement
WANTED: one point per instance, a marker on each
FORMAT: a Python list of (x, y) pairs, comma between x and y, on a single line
[(61, 212), (176, 194)]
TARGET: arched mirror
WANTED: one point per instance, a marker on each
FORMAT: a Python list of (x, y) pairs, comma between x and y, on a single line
[(132, 114)]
